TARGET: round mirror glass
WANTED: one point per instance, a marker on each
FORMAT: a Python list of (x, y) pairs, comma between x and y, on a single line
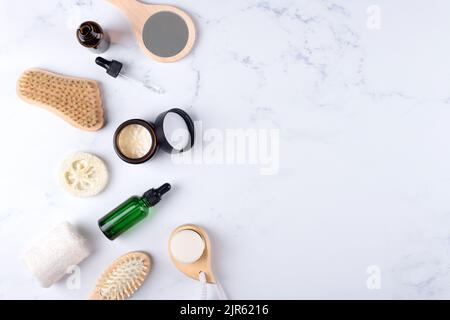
[(165, 34)]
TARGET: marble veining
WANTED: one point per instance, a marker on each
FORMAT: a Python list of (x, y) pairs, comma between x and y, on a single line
[(362, 111)]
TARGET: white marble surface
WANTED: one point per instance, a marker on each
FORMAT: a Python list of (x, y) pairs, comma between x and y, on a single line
[(364, 175)]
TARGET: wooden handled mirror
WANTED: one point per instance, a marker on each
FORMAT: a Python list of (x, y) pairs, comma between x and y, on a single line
[(165, 33)]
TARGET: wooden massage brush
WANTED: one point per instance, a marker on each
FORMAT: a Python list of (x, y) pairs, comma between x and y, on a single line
[(76, 100)]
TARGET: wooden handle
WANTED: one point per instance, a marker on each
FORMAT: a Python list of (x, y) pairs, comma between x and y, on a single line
[(95, 296), (130, 6), (136, 11)]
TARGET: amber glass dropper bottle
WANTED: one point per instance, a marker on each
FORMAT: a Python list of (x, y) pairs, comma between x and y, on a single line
[(130, 212), (91, 35)]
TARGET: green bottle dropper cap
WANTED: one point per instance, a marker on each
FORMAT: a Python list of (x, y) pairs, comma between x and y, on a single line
[(153, 196)]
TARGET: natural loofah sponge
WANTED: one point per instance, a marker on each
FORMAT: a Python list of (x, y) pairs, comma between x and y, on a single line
[(76, 100), (50, 257)]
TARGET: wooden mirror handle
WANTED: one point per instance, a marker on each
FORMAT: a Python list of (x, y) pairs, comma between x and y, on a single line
[(134, 9)]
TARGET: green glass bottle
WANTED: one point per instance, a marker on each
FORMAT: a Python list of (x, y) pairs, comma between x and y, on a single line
[(130, 212)]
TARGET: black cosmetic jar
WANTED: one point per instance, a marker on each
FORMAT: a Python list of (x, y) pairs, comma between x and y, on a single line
[(156, 134)]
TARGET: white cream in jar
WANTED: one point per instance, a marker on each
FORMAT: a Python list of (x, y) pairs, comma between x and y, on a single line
[(134, 141)]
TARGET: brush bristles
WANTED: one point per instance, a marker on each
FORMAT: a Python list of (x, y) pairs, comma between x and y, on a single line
[(77, 101), (124, 277)]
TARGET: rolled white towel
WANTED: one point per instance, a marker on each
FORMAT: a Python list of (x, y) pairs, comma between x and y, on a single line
[(49, 258)]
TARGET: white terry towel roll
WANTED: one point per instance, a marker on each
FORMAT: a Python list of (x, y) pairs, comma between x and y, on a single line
[(49, 258)]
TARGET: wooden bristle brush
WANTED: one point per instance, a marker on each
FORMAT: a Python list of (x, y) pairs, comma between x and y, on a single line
[(75, 100), (123, 277)]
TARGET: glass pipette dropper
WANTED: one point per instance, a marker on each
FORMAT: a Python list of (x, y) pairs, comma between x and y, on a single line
[(114, 69)]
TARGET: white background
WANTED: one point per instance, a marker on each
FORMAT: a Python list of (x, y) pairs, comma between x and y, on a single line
[(364, 173)]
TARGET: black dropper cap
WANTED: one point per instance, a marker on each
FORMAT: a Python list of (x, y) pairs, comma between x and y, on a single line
[(112, 67), (153, 196)]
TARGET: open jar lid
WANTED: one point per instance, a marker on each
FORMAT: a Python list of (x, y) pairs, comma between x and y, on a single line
[(136, 141)]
